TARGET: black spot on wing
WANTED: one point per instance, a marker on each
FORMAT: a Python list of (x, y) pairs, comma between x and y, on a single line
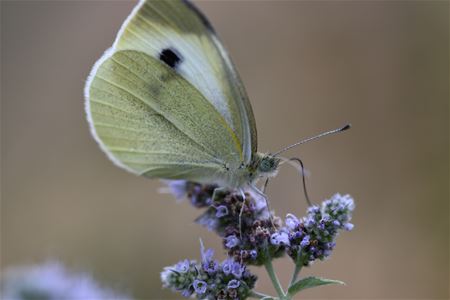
[(170, 57), (199, 14)]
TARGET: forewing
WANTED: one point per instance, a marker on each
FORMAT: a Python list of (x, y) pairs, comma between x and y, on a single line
[(155, 26), (153, 122)]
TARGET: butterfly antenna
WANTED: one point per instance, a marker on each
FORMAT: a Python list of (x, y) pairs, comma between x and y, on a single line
[(241, 212), (314, 138)]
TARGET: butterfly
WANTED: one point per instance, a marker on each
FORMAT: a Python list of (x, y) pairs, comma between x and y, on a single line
[(165, 101)]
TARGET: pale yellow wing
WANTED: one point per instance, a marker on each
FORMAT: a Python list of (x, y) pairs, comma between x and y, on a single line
[(151, 121), (177, 34)]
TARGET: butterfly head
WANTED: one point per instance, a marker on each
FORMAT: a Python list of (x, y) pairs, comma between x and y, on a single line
[(263, 165)]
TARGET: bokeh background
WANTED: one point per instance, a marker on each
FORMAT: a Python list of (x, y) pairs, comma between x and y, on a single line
[(308, 67)]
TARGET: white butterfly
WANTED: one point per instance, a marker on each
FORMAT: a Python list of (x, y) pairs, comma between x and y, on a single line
[(165, 101)]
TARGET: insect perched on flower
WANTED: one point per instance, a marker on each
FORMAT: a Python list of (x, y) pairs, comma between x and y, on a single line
[(165, 101)]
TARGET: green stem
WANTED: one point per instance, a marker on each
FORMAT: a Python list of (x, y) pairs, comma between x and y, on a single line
[(274, 279), (298, 267), (257, 295)]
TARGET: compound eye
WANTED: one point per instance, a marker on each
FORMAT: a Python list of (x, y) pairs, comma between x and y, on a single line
[(267, 164)]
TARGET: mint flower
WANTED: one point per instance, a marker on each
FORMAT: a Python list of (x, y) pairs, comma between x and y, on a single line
[(209, 279), (231, 241), (280, 238), (221, 211), (199, 286), (313, 237), (233, 284), (51, 280), (252, 237)]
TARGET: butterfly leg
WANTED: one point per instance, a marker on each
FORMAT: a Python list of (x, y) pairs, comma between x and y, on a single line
[(241, 212), (217, 191), (263, 195)]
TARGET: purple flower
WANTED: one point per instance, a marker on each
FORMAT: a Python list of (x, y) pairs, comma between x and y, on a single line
[(291, 221), (206, 254), (182, 266), (237, 270), (234, 284), (210, 266), (305, 242), (231, 241), (297, 234), (348, 226), (310, 222), (313, 210), (199, 286), (186, 293), (51, 280), (280, 238), (208, 221), (178, 188), (227, 266), (321, 225), (314, 237), (208, 263), (208, 279), (221, 211), (326, 218)]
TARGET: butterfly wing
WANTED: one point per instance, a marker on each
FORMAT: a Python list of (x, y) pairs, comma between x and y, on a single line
[(153, 122), (178, 28)]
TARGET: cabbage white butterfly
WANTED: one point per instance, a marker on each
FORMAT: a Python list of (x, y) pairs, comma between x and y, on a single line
[(165, 101)]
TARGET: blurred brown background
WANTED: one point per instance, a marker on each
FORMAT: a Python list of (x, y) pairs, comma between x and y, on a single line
[(308, 67)]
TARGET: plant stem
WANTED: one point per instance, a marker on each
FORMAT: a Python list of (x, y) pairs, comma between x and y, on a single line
[(257, 295), (298, 267), (274, 279)]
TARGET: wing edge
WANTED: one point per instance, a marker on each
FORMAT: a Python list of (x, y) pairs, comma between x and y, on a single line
[(107, 54), (126, 22)]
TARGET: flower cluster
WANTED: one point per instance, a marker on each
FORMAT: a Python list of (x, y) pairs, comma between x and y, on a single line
[(209, 279), (51, 280), (199, 195), (244, 224), (313, 237), (228, 209), (252, 243), (253, 236)]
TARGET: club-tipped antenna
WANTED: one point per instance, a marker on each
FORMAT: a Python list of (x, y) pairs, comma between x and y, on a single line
[(314, 138)]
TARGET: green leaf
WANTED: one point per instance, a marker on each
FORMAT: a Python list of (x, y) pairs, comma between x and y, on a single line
[(310, 282)]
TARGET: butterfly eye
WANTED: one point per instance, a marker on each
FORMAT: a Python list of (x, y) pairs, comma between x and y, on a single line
[(268, 164), (170, 57)]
